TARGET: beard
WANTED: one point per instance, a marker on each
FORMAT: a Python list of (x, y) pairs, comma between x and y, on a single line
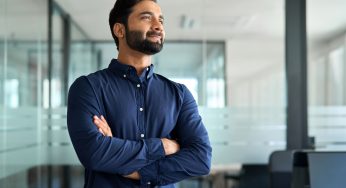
[(136, 42)]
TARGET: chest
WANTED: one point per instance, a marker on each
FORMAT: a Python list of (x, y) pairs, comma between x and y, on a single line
[(136, 111)]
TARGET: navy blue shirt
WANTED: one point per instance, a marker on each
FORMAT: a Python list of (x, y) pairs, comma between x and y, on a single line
[(139, 110)]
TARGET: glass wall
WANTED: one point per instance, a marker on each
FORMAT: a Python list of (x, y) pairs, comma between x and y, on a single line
[(198, 65), (73, 55), (252, 122), (232, 62), (23, 61), (2, 81), (83, 55), (231, 57), (33, 134), (327, 73), (57, 86)]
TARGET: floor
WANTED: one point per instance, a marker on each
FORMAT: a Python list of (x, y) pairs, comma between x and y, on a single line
[(73, 177)]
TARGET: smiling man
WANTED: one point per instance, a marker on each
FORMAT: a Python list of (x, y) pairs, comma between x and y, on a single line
[(131, 127)]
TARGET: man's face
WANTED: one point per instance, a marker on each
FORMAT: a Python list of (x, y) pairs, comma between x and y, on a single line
[(144, 31)]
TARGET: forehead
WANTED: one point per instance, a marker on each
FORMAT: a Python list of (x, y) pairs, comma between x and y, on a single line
[(147, 6)]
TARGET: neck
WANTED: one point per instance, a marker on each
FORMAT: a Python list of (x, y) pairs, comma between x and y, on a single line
[(136, 59)]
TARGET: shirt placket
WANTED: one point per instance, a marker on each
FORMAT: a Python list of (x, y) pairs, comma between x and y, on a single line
[(141, 109)]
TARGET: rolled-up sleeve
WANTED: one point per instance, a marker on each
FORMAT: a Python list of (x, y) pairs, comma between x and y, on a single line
[(194, 157), (100, 153)]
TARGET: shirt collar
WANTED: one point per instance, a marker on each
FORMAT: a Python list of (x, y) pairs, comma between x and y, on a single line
[(128, 70)]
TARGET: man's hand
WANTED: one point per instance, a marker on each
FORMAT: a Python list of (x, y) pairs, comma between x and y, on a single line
[(133, 175), (103, 126), (170, 146)]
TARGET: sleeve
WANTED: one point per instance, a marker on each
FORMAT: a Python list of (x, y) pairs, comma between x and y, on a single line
[(100, 153), (194, 156)]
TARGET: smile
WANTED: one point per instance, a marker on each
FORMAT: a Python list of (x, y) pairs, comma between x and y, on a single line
[(156, 37)]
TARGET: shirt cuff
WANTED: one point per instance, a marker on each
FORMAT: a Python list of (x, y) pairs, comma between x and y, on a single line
[(155, 148), (150, 174)]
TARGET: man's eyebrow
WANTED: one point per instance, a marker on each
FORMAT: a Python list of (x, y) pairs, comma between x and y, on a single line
[(152, 14)]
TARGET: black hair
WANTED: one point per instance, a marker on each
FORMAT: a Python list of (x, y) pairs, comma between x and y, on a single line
[(120, 14)]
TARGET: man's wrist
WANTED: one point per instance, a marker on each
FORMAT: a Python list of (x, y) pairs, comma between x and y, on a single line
[(155, 148), (149, 174)]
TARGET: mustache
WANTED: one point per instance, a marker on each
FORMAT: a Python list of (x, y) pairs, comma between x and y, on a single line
[(154, 33)]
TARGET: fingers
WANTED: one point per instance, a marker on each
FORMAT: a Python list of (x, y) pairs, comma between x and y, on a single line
[(102, 126), (170, 146), (103, 119), (100, 123), (134, 175), (102, 132)]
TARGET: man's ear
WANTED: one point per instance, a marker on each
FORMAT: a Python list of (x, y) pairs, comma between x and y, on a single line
[(119, 30)]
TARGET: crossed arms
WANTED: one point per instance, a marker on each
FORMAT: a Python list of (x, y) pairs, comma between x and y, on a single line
[(170, 146), (157, 160)]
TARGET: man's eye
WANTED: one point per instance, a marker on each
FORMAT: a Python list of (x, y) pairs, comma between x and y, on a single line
[(146, 17)]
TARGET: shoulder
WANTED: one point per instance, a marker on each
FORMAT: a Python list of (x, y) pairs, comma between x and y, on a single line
[(89, 84), (167, 81), (92, 80), (99, 77), (178, 88)]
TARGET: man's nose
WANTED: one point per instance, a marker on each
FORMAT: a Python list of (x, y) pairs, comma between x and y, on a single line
[(157, 26)]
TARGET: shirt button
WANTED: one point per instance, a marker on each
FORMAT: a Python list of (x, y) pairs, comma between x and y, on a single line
[(141, 109), (124, 75), (138, 85), (147, 68), (142, 135), (149, 183)]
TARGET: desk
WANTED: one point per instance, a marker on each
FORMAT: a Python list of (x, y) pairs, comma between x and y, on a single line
[(319, 169)]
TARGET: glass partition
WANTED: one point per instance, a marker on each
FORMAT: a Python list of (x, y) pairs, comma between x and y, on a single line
[(2, 81), (232, 62), (327, 74), (57, 86), (33, 136), (23, 59), (252, 123), (83, 56), (197, 64)]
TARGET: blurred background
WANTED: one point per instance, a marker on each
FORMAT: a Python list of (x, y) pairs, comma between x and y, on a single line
[(230, 54)]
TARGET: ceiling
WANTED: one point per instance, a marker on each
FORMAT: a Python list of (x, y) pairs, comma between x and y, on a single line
[(209, 19), (217, 19)]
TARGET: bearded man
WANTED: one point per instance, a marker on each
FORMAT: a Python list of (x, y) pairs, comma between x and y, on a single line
[(129, 126)]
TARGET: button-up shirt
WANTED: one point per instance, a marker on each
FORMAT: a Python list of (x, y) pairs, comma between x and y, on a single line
[(140, 110)]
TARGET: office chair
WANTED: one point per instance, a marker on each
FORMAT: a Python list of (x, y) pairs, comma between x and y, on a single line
[(280, 169)]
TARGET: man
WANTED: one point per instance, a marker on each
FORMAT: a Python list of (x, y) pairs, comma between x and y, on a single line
[(129, 126)]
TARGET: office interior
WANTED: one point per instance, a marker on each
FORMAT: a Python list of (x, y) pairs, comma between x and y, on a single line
[(268, 76)]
